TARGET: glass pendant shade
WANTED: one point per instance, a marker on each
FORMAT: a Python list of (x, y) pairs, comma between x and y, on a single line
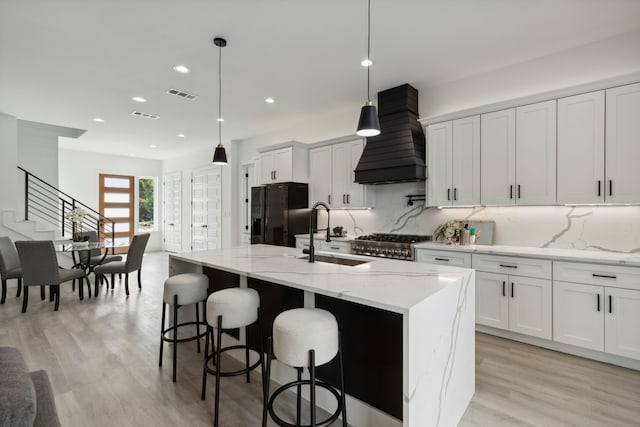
[(220, 156), (368, 125)]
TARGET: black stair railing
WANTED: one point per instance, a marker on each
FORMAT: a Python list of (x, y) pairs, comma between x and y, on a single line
[(47, 203)]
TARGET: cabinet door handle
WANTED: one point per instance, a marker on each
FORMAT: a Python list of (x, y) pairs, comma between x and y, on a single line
[(335, 247), (504, 290), (598, 302), (348, 199), (344, 199), (511, 191), (511, 289), (448, 194), (604, 276), (204, 225), (611, 187), (442, 259), (518, 191), (329, 198), (610, 305), (508, 266), (599, 184), (455, 194)]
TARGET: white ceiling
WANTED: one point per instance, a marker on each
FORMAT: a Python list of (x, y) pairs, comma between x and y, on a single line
[(65, 62)]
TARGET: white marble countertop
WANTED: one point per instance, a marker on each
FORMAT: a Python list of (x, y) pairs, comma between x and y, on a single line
[(387, 284), (576, 255)]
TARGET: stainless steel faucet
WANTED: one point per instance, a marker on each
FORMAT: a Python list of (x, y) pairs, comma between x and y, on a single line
[(312, 229)]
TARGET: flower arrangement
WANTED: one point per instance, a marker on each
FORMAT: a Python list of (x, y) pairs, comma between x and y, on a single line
[(448, 231), (76, 216)]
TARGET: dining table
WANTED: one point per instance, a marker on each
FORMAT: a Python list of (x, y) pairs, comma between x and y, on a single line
[(83, 262)]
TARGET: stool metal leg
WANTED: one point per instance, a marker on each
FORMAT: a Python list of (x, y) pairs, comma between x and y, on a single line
[(261, 346), (206, 356), (267, 376), (344, 401), (175, 332), (198, 325), (312, 385), (218, 353), (164, 309), (246, 354), (299, 396)]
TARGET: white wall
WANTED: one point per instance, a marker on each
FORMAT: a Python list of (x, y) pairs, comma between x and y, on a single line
[(605, 227), (8, 161), (79, 177)]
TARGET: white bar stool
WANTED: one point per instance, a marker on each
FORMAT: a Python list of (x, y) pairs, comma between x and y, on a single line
[(180, 290), (305, 337), (227, 309)]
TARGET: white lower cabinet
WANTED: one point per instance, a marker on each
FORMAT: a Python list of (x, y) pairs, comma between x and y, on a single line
[(320, 244), (453, 258), (517, 304), (602, 314)]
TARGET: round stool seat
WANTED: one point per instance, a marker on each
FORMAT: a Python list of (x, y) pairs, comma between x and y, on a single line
[(190, 288), (297, 331), (237, 306)]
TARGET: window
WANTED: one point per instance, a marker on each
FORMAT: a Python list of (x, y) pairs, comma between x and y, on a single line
[(147, 204), (116, 203)]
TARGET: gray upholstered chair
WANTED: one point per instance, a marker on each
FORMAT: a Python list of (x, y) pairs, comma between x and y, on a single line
[(9, 266), (40, 268), (131, 264)]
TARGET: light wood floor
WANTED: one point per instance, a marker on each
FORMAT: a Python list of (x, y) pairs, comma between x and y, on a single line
[(102, 357)]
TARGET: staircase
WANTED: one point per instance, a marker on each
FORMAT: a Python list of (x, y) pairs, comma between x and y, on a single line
[(46, 209)]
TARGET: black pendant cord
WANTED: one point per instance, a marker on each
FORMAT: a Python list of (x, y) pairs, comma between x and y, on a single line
[(219, 95), (368, 48)]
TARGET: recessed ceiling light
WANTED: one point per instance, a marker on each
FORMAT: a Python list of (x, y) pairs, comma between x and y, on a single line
[(153, 146), (220, 119), (98, 119), (180, 135), (269, 100), (139, 99), (181, 69), (366, 62), (132, 154)]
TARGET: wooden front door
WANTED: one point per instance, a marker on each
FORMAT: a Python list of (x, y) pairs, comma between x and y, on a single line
[(116, 203)]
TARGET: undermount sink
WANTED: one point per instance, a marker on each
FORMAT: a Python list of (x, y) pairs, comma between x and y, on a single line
[(335, 260)]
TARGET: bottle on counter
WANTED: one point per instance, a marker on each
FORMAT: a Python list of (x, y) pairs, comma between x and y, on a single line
[(472, 236)]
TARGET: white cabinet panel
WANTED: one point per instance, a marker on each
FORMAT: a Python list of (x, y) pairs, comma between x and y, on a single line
[(622, 322), (623, 144), (267, 167), (335, 246), (284, 165), (528, 267), (341, 175), (498, 157), (440, 146), (581, 148), (597, 274), (536, 154), (465, 161), (530, 307), (320, 175), (287, 164), (578, 315), (360, 195), (492, 304), (457, 259)]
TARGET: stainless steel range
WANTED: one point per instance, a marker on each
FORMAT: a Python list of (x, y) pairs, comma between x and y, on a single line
[(395, 246)]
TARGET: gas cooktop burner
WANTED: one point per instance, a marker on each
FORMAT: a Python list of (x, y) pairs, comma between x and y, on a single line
[(395, 238), (396, 246)]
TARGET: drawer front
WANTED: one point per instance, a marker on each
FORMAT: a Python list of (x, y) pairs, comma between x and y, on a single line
[(339, 247), (458, 259), (304, 243), (597, 274), (526, 267)]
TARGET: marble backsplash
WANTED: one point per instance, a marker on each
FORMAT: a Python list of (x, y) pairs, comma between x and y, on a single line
[(605, 228)]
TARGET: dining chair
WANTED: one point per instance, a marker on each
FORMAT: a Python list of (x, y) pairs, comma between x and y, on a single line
[(40, 268), (94, 257), (131, 264), (9, 266)]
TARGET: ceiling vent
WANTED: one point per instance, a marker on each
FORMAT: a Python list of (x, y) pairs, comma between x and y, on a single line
[(145, 115), (182, 94)]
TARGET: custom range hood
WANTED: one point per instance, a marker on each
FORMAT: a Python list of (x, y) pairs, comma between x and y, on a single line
[(398, 153)]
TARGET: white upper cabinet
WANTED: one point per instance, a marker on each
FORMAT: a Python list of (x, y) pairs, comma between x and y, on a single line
[(519, 155), (320, 174), (284, 163), (536, 154), (454, 163), (332, 177), (623, 144), (581, 149), (498, 157)]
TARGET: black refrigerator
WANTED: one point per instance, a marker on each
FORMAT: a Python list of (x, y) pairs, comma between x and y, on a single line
[(279, 212)]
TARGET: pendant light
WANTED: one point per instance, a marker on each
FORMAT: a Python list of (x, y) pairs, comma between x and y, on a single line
[(368, 125), (220, 155)]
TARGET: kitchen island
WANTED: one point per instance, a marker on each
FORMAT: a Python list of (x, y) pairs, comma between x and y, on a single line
[(408, 323)]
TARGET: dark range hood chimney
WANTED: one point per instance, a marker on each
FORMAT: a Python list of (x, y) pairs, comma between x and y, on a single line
[(398, 153)]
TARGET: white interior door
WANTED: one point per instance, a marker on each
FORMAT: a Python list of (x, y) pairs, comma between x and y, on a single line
[(206, 209), (172, 223)]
